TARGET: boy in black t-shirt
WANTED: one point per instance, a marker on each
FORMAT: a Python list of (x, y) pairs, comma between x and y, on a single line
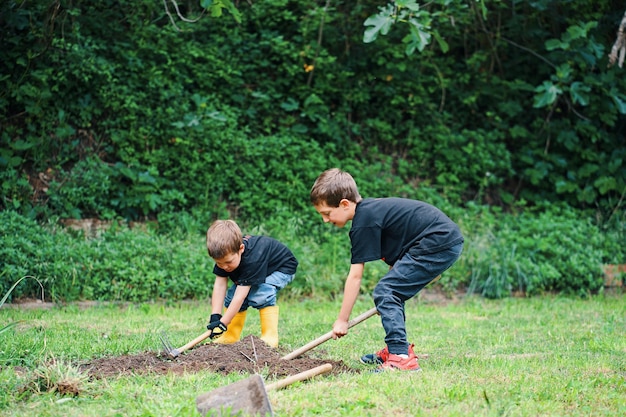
[(417, 241), (259, 266)]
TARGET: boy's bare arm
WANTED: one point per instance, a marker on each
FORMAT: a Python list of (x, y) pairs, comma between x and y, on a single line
[(219, 293), (241, 292), (350, 294)]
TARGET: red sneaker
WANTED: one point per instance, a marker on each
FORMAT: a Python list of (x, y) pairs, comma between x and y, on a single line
[(398, 363), (377, 358)]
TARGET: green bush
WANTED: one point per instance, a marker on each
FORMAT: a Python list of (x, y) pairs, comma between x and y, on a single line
[(27, 248), (129, 265), (555, 250), (239, 117), (119, 264)]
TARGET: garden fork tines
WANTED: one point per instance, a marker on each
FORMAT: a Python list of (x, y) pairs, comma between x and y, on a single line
[(173, 353), (167, 346)]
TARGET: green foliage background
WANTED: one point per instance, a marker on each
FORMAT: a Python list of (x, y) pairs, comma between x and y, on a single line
[(117, 110), (527, 253)]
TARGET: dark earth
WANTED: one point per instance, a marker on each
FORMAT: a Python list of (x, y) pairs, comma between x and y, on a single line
[(249, 355)]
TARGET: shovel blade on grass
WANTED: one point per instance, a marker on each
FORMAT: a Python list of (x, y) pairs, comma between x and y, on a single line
[(247, 397)]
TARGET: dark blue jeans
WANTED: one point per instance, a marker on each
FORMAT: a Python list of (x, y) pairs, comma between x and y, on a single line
[(408, 276)]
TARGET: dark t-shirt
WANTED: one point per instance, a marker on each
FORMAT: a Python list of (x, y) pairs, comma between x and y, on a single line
[(261, 257), (386, 228)]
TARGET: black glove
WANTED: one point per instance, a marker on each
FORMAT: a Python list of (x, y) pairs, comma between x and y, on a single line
[(216, 326)]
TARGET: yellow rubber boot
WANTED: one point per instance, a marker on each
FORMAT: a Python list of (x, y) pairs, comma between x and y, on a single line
[(233, 333), (269, 325)]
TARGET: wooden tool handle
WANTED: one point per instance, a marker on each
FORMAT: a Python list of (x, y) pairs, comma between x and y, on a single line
[(325, 337), (194, 341), (322, 369)]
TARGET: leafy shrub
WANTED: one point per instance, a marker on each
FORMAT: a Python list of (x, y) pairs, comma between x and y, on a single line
[(15, 192), (120, 264), (140, 266), (554, 250), (288, 82), (83, 191), (27, 248)]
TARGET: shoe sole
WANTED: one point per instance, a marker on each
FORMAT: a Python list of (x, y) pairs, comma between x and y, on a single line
[(381, 370)]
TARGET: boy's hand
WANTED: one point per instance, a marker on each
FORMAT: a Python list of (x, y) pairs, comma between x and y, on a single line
[(216, 326), (340, 329)]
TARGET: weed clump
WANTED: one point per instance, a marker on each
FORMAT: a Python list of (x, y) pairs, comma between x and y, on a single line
[(55, 376)]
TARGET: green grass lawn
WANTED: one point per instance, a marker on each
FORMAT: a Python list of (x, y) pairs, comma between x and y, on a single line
[(550, 356)]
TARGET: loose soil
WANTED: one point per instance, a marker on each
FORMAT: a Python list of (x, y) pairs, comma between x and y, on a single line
[(249, 355)]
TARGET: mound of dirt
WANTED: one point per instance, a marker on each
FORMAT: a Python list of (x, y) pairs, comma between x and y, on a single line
[(249, 355)]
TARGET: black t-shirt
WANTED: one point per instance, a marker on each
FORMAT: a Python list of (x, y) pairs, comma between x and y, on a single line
[(386, 228), (261, 257)]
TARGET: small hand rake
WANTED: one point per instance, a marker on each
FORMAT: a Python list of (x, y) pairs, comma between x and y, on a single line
[(174, 352)]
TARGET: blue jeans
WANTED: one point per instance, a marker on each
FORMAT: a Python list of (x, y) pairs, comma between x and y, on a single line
[(263, 295), (408, 276)]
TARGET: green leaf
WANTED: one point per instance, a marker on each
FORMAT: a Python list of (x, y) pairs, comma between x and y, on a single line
[(605, 184), (290, 104), (563, 72), (4, 299), (563, 186), (587, 169), (8, 326), (379, 23), (216, 8), (483, 8), (546, 94), (576, 32), (619, 103), (578, 92), (22, 145), (552, 44), (417, 38), (408, 4), (145, 177), (442, 43), (233, 10)]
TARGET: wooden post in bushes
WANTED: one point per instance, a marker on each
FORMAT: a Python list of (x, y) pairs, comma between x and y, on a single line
[(614, 275)]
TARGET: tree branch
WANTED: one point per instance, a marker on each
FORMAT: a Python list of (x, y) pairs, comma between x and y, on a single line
[(619, 47), (320, 36), (183, 18)]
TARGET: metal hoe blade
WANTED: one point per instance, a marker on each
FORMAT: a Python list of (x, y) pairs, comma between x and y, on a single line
[(167, 345)]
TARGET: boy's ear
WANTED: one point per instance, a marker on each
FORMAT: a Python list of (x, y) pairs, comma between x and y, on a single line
[(344, 203), (241, 248)]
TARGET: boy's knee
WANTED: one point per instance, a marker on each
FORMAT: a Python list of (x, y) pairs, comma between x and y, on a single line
[(262, 299), (380, 293)]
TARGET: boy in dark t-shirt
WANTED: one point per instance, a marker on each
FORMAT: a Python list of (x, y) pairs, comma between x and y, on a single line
[(259, 267), (417, 240)]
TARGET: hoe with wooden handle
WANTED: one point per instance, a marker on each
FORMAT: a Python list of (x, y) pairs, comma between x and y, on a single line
[(249, 396), (369, 313), (174, 352)]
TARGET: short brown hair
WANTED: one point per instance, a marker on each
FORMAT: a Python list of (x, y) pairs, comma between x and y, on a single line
[(223, 238), (332, 186)]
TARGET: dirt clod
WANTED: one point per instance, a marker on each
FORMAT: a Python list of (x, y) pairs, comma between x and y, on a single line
[(249, 355)]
